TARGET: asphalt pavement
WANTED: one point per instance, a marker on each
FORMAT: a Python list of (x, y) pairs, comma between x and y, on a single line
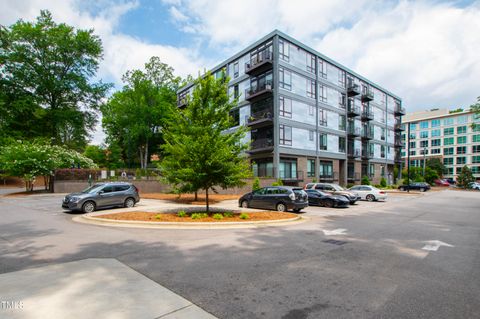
[(413, 256)]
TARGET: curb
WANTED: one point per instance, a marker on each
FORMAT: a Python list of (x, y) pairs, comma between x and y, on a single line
[(87, 219)]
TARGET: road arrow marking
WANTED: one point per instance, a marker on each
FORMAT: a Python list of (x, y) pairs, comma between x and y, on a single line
[(433, 245), (339, 231)]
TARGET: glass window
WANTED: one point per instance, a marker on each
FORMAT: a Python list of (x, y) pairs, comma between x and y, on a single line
[(322, 141), (461, 160), (448, 151), (235, 69), (462, 129), (424, 134), (284, 50), (311, 89), (437, 132), (461, 149), (448, 121), (424, 124), (326, 169), (462, 119), (285, 78), (413, 144), (235, 114), (235, 91), (475, 169), (461, 139), (475, 159), (448, 141), (342, 122), (448, 161), (322, 117), (322, 68), (310, 135), (285, 107), (476, 149), (310, 63), (285, 135), (448, 131), (341, 144), (322, 93), (311, 110), (436, 151), (476, 138), (413, 126), (437, 142), (424, 143), (435, 123), (413, 136), (311, 168)]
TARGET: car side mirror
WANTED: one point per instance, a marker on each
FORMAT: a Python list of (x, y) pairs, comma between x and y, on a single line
[(100, 192)]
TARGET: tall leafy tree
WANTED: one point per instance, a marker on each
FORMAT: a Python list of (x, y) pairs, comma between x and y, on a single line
[(133, 117), (46, 74), (465, 177), (436, 164), (200, 152)]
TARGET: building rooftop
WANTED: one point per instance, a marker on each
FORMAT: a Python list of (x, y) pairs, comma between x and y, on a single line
[(431, 114)]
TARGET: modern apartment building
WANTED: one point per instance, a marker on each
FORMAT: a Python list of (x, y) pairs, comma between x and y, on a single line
[(310, 117), (446, 135)]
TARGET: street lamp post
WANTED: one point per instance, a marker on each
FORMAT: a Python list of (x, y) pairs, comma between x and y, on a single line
[(408, 159), (424, 158)]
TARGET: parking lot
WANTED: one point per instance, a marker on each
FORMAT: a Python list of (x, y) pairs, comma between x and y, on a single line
[(413, 256)]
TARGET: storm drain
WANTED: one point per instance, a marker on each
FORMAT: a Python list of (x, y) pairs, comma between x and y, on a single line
[(335, 242)]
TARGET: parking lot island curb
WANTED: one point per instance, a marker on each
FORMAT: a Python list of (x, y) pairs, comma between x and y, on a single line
[(96, 220)]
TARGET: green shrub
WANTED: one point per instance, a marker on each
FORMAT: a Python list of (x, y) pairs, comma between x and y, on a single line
[(138, 173), (181, 213), (256, 184), (278, 183), (365, 180), (377, 185), (199, 215), (228, 214), (158, 216), (217, 216), (383, 182), (314, 180), (244, 216)]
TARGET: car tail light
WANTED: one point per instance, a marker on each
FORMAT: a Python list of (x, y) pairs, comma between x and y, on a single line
[(136, 189), (382, 192)]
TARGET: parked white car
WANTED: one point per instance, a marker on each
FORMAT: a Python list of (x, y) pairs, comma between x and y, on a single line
[(369, 193), (474, 185)]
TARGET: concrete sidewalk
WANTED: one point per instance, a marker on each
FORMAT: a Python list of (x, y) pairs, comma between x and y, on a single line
[(90, 288)]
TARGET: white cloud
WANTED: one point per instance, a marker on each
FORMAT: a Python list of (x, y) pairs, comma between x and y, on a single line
[(424, 51)]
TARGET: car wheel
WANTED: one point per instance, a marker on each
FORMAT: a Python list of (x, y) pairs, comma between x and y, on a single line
[(370, 198), (281, 207), (245, 204), (422, 189), (88, 207), (329, 203), (402, 188), (129, 203)]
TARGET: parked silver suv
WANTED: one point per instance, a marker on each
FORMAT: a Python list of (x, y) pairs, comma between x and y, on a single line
[(102, 195)]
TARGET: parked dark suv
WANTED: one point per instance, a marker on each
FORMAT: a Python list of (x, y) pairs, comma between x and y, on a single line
[(102, 195), (281, 198), (334, 189)]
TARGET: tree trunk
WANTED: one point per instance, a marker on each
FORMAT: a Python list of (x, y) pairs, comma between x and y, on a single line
[(145, 161), (196, 196), (140, 151), (206, 200), (46, 181)]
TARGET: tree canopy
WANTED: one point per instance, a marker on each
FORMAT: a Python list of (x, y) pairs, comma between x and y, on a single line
[(200, 150), (46, 81), (134, 117), (465, 177)]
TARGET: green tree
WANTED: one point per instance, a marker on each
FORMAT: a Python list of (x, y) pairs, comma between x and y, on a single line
[(383, 182), (199, 151), (476, 109), (365, 180), (29, 160), (465, 177), (435, 164), (133, 118), (256, 184), (47, 77)]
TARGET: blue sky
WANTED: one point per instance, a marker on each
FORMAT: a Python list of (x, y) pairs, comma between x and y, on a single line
[(424, 51)]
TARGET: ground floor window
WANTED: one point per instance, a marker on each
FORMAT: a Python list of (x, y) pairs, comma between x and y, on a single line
[(288, 169), (262, 169), (310, 168), (326, 169)]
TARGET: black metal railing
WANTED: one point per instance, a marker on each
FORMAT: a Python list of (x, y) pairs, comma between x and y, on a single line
[(260, 116), (353, 110), (367, 96), (353, 153), (291, 175), (353, 130), (398, 110), (328, 177), (353, 176), (261, 143), (258, 89), (367, 115), (353, 89), (262, 58)]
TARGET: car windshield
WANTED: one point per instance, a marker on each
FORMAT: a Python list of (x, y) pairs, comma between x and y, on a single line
[(92, 189), (338, 187)]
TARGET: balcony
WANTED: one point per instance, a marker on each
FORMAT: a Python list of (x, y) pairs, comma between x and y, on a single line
[(353, 177), (367, 115), (399, 111), (399, 143), (353, 131), (353, 110), (353, 89), (325, 178), (291, 176), (257, 92), (259, 63), (261, 145), (398, 128), (367, 134), (261, 118), (353, 153), (366, 154), (367, 96), (322, 122)]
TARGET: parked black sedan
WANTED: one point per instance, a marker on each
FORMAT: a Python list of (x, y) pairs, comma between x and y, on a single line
[(281, 198), (420, 186), (316, 197)]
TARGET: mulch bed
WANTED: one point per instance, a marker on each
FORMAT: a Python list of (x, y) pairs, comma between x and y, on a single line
[(25, 193), (189, 198), (172, 217)]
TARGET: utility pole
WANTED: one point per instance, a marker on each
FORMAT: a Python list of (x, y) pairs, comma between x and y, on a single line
[(408, 159), (424, 159)]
